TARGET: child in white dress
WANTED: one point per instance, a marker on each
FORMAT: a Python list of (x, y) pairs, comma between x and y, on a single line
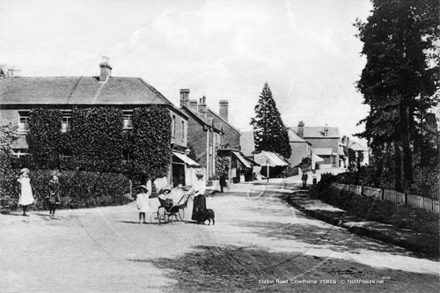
[(26, 198), (142, 202)]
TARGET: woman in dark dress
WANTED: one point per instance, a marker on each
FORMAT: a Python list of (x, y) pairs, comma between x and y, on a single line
[(199, 189)]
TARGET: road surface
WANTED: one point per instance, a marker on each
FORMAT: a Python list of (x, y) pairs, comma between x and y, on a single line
[(259, 244)]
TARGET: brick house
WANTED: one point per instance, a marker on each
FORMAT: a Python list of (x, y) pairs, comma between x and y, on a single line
[(19, 95), (212, 136), (324, 141)]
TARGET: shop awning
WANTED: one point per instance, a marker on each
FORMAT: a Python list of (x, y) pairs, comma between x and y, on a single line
[(316, 158), (186, 159), (242, 160), (273, 159)]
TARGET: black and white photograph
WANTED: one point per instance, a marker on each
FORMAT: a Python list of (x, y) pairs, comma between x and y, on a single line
[(219, 146)]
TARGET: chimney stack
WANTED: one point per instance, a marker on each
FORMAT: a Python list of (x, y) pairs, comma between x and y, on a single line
[(202, 106), (193, 105), (224, 109), (184, 97), (326, 130), (106, 69), (301, 129)]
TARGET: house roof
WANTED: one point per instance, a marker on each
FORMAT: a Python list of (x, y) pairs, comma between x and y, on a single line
[(197, 116), (294, 137), (83, 90), (223, 120), (356, 147), (323, 151), (318, 132)]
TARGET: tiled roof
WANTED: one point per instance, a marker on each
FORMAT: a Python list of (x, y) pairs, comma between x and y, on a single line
[(318, 132), (224, 121), (78, 91), (356, 147), (197, 115), (294, 137), (218, 126)]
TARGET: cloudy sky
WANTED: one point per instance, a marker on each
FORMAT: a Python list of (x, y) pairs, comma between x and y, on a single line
[(305, 49)]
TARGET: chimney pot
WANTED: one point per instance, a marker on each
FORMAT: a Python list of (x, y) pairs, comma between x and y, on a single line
[(106, 69), (301, 129), (224, 105), (202, 105), (184, 97), (326, 130), (193, 104)]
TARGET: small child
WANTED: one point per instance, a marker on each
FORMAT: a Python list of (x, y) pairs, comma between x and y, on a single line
[(142, 203)]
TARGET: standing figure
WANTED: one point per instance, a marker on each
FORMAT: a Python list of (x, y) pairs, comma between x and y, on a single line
[(142, 202), (198, 191), (54, 195), (26, 198), (314, 177), (304, 179), (223, 183)]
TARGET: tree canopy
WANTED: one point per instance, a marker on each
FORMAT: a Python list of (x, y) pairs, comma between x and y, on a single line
[(270, 134), (400, 79)]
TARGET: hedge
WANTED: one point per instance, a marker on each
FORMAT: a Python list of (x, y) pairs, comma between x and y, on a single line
[(78, 189)]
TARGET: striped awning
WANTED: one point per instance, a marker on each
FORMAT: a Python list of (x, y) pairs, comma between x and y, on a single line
[(242, 160), (186, 159)]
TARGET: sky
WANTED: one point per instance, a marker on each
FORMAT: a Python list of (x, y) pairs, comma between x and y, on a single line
[(306, 50)]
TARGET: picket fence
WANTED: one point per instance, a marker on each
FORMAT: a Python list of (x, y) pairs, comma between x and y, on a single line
[(393, 196)]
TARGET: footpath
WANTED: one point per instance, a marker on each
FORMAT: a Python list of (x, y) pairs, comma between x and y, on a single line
[(422, 244)]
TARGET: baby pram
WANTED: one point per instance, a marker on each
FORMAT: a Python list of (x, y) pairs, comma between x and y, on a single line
[(168, 212)]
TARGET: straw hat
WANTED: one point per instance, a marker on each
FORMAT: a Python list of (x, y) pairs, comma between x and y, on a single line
[(24, 170), (199, 173), (142, 186), (166, 188)]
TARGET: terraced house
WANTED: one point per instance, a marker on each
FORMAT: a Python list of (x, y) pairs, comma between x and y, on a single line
[(212, 136), (19, 95)]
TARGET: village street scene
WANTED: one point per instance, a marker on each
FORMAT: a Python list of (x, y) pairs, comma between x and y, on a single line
[(219, 146)]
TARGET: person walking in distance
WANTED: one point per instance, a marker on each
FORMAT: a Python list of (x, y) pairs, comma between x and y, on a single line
[(314, 177), (26, 197), (304, 179), (54, 195)]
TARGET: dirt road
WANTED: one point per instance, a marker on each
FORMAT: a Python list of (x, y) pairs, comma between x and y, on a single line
[(259, 243)]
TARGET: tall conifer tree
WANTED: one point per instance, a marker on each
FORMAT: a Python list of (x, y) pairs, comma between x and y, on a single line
[(270, 134)]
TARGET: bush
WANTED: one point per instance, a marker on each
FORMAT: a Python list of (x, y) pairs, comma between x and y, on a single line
[(78, 189)]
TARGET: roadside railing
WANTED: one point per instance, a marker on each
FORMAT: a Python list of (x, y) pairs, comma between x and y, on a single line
[(393, 196)]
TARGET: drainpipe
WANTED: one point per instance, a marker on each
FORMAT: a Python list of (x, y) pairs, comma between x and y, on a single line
[(207, 155)]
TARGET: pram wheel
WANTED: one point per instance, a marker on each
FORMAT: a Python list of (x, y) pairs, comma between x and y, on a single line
[(155, 218), (181, 214)]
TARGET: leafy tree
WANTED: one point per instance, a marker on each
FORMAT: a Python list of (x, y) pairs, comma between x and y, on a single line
[(400, 79), (7, 176), (270, 134), (151, 142), (44, 137)]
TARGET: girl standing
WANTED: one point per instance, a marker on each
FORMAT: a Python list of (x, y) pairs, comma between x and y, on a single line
[(142, 202), (26, 198), (54, 195)]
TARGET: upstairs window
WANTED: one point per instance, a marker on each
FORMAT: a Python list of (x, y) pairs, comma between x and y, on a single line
[(23, 121), (65, 123), (182, 135), (173, 126), (128, 120)]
